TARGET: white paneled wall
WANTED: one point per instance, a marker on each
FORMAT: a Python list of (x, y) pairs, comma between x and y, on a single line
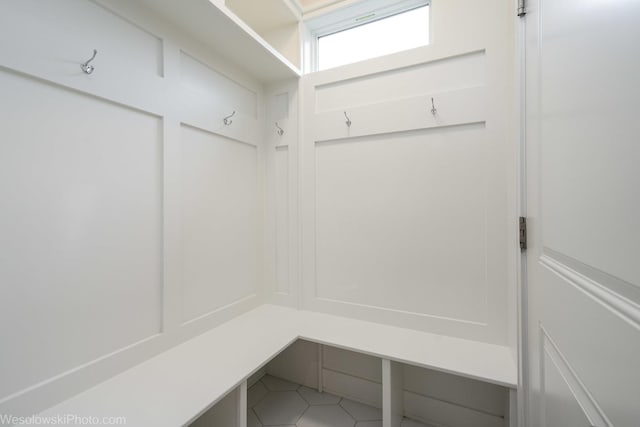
[(81, 199), (408, 217), (282, 200), (389, 235), (463, 71), (282, 266), (221, 217), (131, 217)]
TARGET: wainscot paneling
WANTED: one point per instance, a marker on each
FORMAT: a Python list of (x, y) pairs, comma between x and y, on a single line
[(282, 268), (282, 201), (81, 259), (220, 226), (571, 402), (388, 230), (132, 217), (447, 74), (403, 201), (570, 378)]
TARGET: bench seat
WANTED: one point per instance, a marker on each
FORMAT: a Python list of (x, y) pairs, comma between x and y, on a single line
[(175, 387)]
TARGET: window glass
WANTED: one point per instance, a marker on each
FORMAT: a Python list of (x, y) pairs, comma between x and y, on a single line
[(399, 32)]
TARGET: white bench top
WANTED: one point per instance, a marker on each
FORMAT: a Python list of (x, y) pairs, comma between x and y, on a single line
[(177, 386)]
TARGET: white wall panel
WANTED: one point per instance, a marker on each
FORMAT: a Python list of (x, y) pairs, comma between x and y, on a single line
[(211, 87), (221, 215), (281, 271), (58, 36), (456, 72), (583, 292), (460, 107), (408, 217), (95, 171), (583, 162), (279, 106), (560, 403), (80, 202), (595, 388), (393, 231), (282, 220)]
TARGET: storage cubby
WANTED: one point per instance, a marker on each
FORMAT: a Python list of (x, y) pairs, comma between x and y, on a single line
[(228, 412), (440, 398), (355, 376), (415, 395), (315, 385)]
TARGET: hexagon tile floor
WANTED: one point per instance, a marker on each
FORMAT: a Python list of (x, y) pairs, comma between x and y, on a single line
[(275, 402)]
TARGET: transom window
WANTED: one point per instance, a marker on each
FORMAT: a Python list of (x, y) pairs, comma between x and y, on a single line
[(371, 34)]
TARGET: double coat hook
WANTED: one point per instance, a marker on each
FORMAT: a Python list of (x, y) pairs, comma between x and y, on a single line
[(433, 108), (86, 67), (279, 130), (348, 122), (227, 120)]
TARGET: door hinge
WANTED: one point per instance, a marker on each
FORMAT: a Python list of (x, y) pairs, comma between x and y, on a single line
[(522, 8), (523, 233)]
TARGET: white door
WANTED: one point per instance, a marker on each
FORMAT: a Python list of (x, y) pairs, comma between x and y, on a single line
[(583, 204)]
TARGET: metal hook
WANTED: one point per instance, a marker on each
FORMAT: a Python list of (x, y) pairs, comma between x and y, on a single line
[(433, 108), (89, 68), (226, 119), (348, 122), (280, 131)]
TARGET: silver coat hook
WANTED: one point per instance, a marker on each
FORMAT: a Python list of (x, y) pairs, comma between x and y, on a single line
[(433, 108), (89, 68), (227, 120), (348, 122), (279, 130)]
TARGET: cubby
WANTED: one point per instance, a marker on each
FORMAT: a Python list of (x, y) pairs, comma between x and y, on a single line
[(314, 385), (443, 398), (228, 412), (310, 384)]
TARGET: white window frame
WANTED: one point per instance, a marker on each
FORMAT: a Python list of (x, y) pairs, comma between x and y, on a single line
[(350, 16)]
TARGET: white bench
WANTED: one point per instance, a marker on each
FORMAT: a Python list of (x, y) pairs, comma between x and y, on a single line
[(177, 386)]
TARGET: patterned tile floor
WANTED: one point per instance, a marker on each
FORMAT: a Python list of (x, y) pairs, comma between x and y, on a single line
[(275, 402)]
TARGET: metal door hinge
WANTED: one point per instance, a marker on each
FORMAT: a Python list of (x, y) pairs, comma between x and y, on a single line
[(523, 233), (522, 8)]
